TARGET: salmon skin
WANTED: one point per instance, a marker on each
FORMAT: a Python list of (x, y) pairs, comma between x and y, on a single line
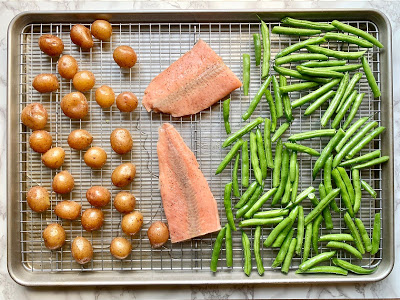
[(189, 205), (194, 82)]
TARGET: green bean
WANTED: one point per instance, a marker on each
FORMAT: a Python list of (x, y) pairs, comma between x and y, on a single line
[(347, 38), (275, 232), (217, 249), (352, 268), (257, 253), (354, 232), (315, 228), (348, 184), (344, 246), (280, 257), (246, 195), (315, 94), (298, 87), (371, 163), (358, 32), (343, 191), (366, 139), (278, 97), (261, 153), (324, 270), (321, 205), (229, 157), (364, 234), (282, 235), (350, 87), (326, 212), (228, 207), (304, 266), (254, 198), (289, 256), (353, 142), (259, 222), (280, 131), (369, 189), (287, 107), (296, 74), (241, 132), (256, 99), (336, 237), (286, 196), (319, 72), (298, 57), (245, 165), (376, 234), (302, 44), (295, 184), (302, 196), (257, 48), (327, 152), (336, 54), (267, 49), (322, 64), (228, 246), (284, 177), (370, 77), (328, 182), (353, 110), (271, 213), (307, 24), (246, 254), (292, 168), (357, 190), (346, 105), (345, 68), (294, 31), (272, 109), (307, 242), (335, 101), (254, 158), (362, 158), (311, 134), (313, 199), (259, 203), (246, 73), (235, 181), (225, 107), (300, 230), (276, 175), (317, 103), (353, 128), (301, 148), (267, 143)]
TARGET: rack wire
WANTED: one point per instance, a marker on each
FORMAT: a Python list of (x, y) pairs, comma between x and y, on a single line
[(157, 46)]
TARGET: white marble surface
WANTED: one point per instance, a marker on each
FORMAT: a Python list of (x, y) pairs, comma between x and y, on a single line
[(387, 288)]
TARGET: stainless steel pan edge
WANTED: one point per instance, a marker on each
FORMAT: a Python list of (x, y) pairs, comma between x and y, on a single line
[(27, 278)]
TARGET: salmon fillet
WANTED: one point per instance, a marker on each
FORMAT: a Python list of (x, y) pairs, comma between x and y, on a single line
[(189, 205), (191, 84)]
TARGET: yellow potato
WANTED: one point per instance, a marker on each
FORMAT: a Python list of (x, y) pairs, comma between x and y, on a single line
[(38, 199), (124, 202), (81, 250), (54, 236), (98, 196), (158, 234), (40, 141), (45, 83), (54, 158), (83, 81), (34, 116), (81, 36), (127, 102), (75, 105), (51, 45), (101, 29), (92, 219), (79, 139), (132, 222), (67, 66), (125, 56), (105, 96), (69, 210), (95, 157), (123, 174), (120, 248), (63, 182), (121, 141)]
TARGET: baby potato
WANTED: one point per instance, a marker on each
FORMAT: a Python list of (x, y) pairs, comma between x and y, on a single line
[(92, 219), (132, 222), (158, 234), (67, 66), (125, 56), (38, 199), (75, 105), (34, 116), (120, 247), (63, 182), (81, 36), (123, 174), (40, 141), (54, 236), (83, 81), (124, 202), (51, 45), (95, 157), (45, 83), (121, 141), (98, 196), (54, 158), (127, 102), (81, 250), (69, 210), (79, 139), (101, 29), (105, 96)]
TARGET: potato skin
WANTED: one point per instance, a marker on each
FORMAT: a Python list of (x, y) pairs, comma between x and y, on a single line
[(34, 116), (105, 96), (95, 157), (92, 219), (79, 139), (120, 247), (127, 102), (69, 210), (124, 202), (123, 174), (45, 83), (75, 105), (132, 223), (81, 250), (40, 141), (54, 158), (125, 56), (158, 234), (54, 236), (67, 66), (84, 81), (38, 199), (98, 196), (81, 36), (101, 29), (121, 141), (63, 182), (51, 45)]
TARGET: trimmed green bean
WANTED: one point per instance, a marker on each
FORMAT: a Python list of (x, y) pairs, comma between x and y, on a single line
[(289, 256), (357, 189), (336, 237), (335, 53), (271, 213), (300, 230), (344, 246), (345, 68), (299, 45), (354, 232), (280, 257), (217, 249), (287, 107), (347, 182), (302, 196), (246, 195), (328, 181), (376, 234), (352, 268), (295, 184), (353, 128), (267, 143), (254, 198), (317, 103), (294, 31), (261, 154), (254, 158), (246, 74), (307, 242), (347, 38), (257, 253), (321, 205), (324, 270), (235, 181), (225, 110), (286, 196), (343, 191), (319, 72), (284, 177), (350, 87), (246, 254), (259, 203), (315, 260), (296, 74), (315, 228), (298, 57), (241, 132), (322, 64), (366, 139), (257, 48), (345, 107), (282, 235), (368, 188), (260, 222), (353, 110), (302, 148), (245, 164), (371, 163), (276, 175), (370, 77), (292, 168), (364, 234), (362, 158), (228, 246), (278, 97), (298, 87), (256, 99), (280, 131), (275, 232), (229, 157), (326, 212), (307, 24), (267, 49), (228, 206), (272, 109)]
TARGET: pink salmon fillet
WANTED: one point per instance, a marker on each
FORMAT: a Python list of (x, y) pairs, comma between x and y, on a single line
[(189, 205), (194, 82)]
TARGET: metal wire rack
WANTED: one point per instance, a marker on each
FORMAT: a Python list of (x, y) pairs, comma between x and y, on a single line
[(157, 46)]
